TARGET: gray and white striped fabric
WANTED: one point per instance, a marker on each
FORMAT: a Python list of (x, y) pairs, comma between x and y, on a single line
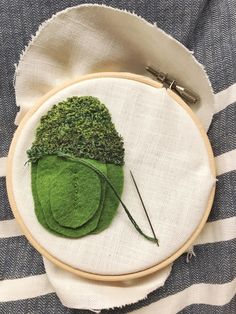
[(208, 283)]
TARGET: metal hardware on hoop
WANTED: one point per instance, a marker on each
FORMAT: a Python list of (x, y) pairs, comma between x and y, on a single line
[(184, 93)]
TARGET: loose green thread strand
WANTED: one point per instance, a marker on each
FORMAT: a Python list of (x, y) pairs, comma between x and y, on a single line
[(59, 154)]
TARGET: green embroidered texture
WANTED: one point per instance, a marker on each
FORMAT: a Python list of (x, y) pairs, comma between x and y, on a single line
[(70, 198), (77, 176), (81, 127)]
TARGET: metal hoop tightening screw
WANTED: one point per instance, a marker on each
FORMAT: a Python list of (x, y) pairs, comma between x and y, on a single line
[(184, 93)]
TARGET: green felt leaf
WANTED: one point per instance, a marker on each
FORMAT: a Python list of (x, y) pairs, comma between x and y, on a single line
[(115, 183), (75, 195), (116, 176), (37, 206), (109, 203), (47, 170)]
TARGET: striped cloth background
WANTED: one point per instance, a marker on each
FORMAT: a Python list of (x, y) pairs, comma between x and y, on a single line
[(208, 283)]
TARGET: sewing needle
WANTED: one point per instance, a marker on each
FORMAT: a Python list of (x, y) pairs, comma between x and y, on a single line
[(144, 207)]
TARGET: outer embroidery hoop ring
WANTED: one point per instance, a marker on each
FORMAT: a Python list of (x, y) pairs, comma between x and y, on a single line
[(67, 267)]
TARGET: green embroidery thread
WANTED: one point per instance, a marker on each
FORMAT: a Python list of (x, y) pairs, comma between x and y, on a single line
[(79, 126), (77, 162)]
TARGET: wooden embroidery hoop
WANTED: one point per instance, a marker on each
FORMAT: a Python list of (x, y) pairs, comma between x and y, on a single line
[(41, 249)]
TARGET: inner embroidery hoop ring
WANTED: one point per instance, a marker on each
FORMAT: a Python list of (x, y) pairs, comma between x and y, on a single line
[(67, 267)]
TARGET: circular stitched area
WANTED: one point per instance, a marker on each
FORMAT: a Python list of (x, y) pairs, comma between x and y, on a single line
[(169, 159)]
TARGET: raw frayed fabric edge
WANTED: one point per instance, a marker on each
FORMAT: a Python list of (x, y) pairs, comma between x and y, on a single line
[(44, 24), (190, 252), (116, 305), (120, 306)]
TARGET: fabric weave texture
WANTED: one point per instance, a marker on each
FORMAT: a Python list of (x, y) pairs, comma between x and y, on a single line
[(208, 29)]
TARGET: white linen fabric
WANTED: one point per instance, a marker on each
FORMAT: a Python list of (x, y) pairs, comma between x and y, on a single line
[(92, 39), (95, 38), (77, 292), (169, 159)]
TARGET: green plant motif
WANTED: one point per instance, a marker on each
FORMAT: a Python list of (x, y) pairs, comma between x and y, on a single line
[(77, 161)]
